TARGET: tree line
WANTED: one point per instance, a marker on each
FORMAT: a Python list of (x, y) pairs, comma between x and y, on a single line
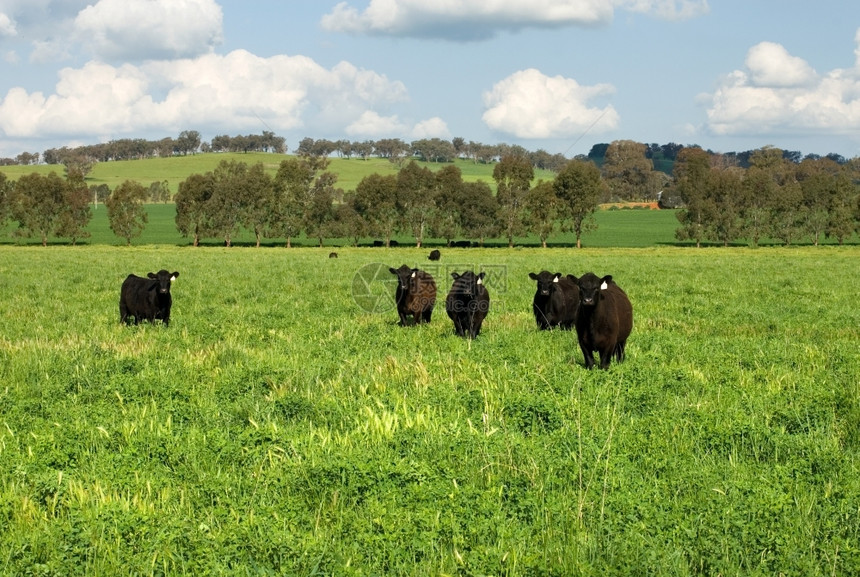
[(775, 196)]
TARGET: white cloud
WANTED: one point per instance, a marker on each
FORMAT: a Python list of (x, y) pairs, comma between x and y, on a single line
[(777, 93), (529, 104), (221, 93), (150, 29), (371, 124), (7, 26), (771, 65), (431, 128), (481, 19)]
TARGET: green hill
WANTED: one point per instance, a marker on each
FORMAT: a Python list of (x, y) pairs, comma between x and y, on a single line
[(175, 169)]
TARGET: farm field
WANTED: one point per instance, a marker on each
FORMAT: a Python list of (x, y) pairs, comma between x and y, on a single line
[(284, 424), (175, 169)]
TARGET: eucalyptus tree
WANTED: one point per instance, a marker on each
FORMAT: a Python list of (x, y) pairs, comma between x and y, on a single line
[(542, 211), (449, 202), (579, 187), (37, 204), (126, 212), (478, 211), (693, 179), (415, 194), (513, 176), (376, 201), (192, 200), (628, 171)]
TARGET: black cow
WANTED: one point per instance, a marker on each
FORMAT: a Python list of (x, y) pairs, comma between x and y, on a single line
[(555, 302), (604, 319), (468, 303), (332, 255), (435, 254), (146, 299), (415, 294)]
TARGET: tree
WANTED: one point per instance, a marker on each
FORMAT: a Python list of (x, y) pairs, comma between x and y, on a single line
[(5, 198), (578, 186), (542, 209), (347, 222), (415, 194), (76, 212), (188, 141), (376, 202), (320, 213), (126, 212), (37, 204), (693, 178), (191, 205), (478, 211), (291, 197), (255, 199), (449, 198), (628, 172), (229, 198), (513, 176)]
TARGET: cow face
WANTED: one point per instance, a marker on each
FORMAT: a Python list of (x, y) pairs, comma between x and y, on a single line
[(590, 287), (163, 280), (468, 282), (404, 275), (545, 281)]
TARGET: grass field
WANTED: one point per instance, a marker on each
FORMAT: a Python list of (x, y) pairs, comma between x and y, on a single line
[(175, 169), (283, 423)]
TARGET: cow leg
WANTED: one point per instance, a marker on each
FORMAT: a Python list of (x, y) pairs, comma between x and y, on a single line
[(619, 351), (425, 316), (587, 354), (606, 357)]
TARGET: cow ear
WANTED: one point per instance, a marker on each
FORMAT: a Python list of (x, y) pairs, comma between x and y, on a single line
[(572, 278), (481, 278), (606, 280), (455, 276), (174, 275), (152, 275), (414, 272), (556, 277), (533, 276), (392, 270)]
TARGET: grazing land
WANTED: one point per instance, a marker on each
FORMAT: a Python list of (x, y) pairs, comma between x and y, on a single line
[(284, 423)]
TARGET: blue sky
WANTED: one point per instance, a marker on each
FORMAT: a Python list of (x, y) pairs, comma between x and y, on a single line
[(561, 75)]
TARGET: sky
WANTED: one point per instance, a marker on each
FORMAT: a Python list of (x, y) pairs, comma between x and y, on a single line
[(557, 75)]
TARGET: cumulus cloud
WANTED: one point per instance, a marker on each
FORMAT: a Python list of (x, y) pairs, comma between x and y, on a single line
[(431, 128), (482, 19), (219, 92), (371, 124), (7, 26), (529, 104), (150, 29), (778, 93)]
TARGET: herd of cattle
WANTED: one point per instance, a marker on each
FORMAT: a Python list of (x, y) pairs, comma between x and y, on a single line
[(596, 307)]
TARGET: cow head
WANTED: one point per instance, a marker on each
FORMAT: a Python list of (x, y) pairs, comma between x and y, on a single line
[(590, 287), (468, 282), (545, 281), (404, 275), (162, 280)]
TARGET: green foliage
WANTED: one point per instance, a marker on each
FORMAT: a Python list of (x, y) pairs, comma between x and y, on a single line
[(277, 428), (126, 211)]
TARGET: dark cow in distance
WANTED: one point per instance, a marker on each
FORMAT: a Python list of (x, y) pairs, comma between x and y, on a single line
[(468, 303), (146, 299), (415, 294), (555, 302), (604, 319), (435, 254)]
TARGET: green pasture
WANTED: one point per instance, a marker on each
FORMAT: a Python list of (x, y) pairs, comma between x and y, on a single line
[(175, 169), (285, 425)]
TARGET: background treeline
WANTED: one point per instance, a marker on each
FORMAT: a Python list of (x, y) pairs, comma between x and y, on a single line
[(725, 199)]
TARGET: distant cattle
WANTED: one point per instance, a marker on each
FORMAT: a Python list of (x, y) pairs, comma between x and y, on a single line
[(415, 294), (555, 302), (468, 303), (604, 319), (461, 243), (332, 255), (146, 299), (435, 255)]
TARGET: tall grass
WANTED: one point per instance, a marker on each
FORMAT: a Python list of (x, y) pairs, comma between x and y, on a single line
[(278, 427)]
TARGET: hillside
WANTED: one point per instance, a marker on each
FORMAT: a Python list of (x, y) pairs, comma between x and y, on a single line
[(175, 169)]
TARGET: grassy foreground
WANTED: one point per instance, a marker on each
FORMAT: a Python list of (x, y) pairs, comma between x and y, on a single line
[(283, 423)]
